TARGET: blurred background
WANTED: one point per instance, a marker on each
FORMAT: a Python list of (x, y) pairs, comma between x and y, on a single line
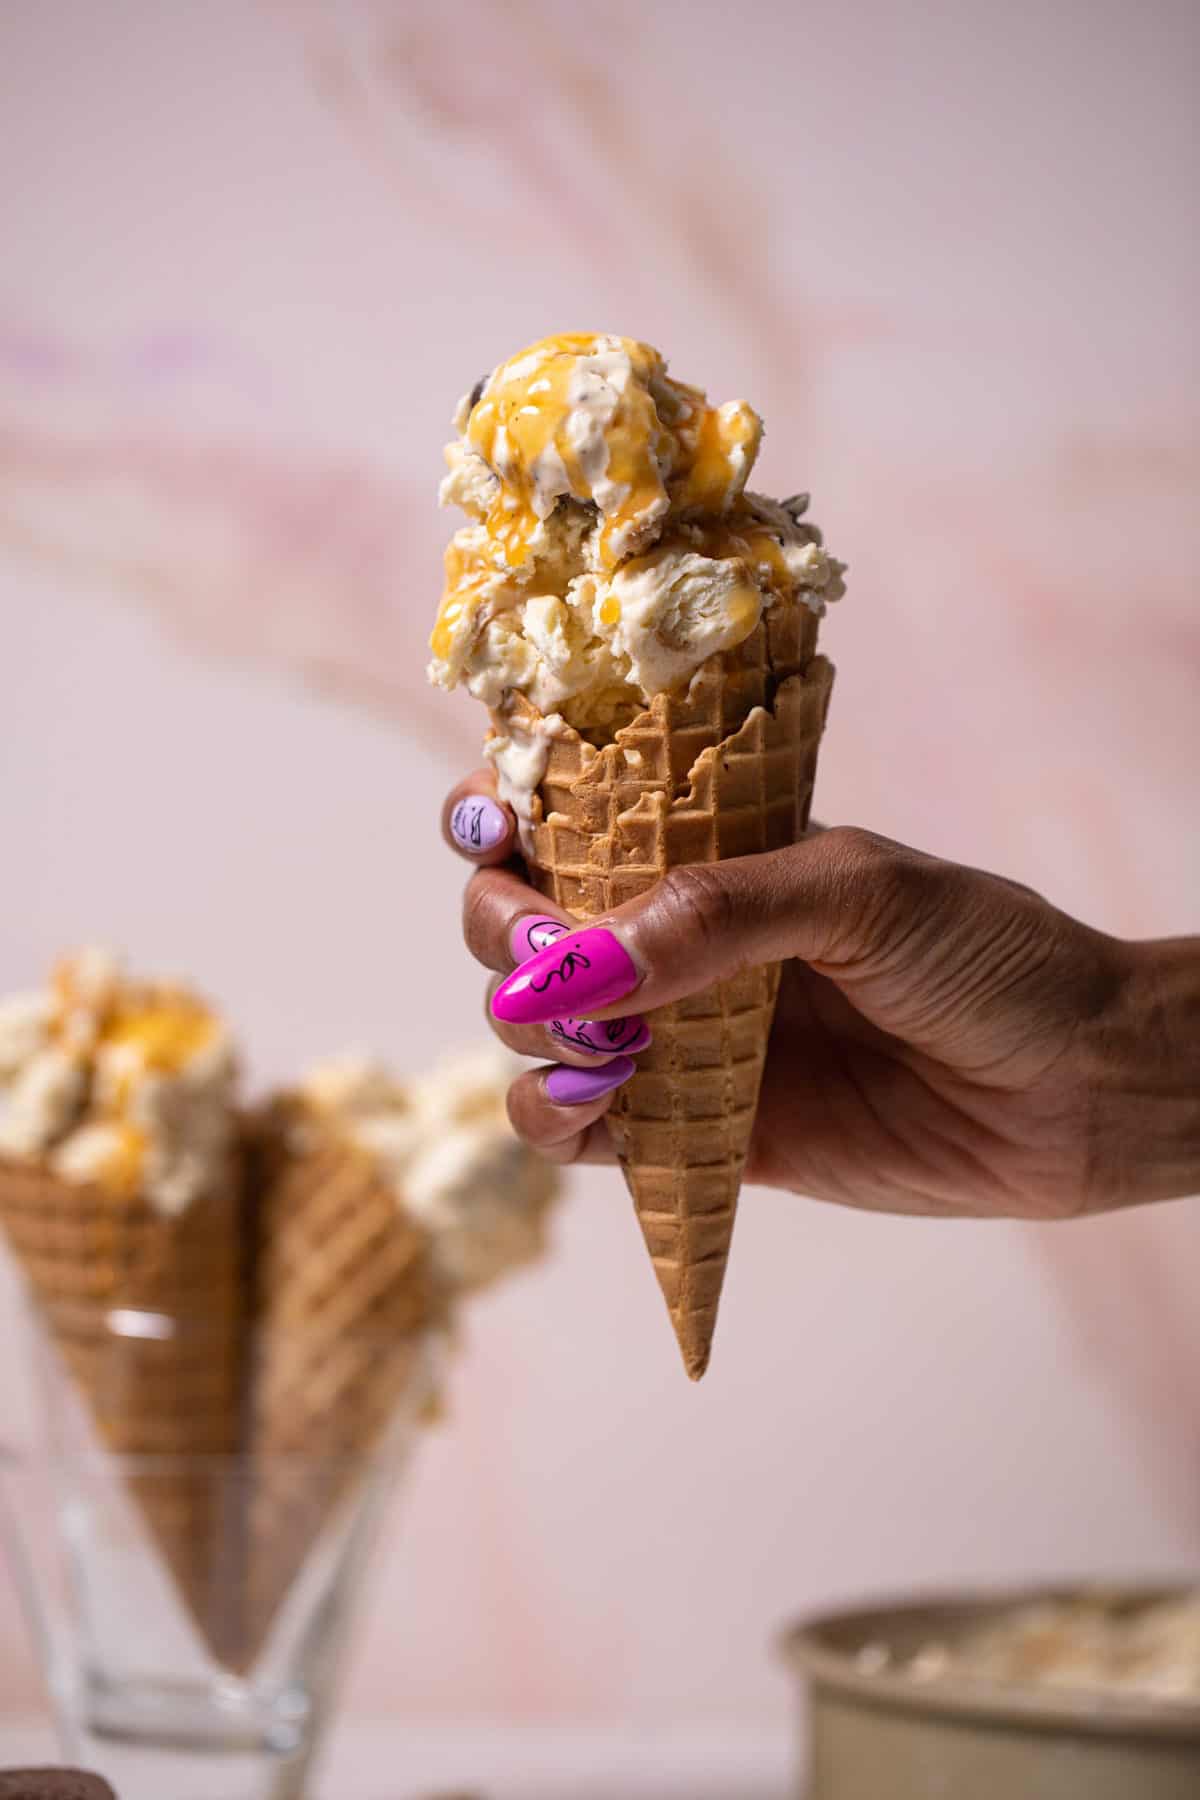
[(252, 254)]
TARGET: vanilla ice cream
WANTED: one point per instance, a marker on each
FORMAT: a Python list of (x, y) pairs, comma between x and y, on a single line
[(1078, 1642), (612, 547), (123, 1083), (445, 1145)]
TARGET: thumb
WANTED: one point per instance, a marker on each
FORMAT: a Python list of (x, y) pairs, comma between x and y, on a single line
[(844, 899)]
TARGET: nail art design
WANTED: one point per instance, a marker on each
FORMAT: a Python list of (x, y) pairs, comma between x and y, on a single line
[(602, 1037), (584, 970), (477, 824), (533, 933), (575, 1087)]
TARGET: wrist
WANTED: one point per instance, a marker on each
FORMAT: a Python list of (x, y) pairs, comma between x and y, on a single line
[(1145, 1098)]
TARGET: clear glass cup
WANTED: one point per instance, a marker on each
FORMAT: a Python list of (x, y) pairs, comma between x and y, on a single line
[(191, 1611)]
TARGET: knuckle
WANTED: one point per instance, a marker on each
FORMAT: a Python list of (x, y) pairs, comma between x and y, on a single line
[(522, 1040), (879, 892), (479, 920), (515, 1102), (884, 873), (526, 1110), (567, 1152), (851, 841), (1060, 1205), (694, 905), (861, 853)]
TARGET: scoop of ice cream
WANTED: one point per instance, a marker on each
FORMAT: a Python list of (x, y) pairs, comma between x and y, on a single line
[(612, 547), (125, 1083), (594, 418), (667, 611), (445, 1144), (603, 646)]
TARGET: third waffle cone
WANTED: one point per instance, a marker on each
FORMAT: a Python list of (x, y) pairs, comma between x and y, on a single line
[(724, 769)]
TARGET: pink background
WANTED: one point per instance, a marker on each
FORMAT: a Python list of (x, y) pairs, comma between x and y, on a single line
[(251, 256)]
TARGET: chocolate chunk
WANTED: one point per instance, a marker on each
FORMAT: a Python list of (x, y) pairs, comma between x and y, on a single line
[(477, 391), (52, 1784)]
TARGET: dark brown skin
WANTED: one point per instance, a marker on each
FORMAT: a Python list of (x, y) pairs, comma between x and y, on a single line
[(947, 1043)]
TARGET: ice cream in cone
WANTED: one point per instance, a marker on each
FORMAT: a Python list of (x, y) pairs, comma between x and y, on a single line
[(121, 1199), (643, 631)]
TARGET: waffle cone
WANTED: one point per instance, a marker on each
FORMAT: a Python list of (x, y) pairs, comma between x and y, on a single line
[(89, 1256), (344, 1296), (724, 769)]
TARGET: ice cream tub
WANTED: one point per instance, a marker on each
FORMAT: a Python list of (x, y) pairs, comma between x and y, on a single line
[(1050, 1694)]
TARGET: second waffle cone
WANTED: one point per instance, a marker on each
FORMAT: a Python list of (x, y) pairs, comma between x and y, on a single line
[(344, 1295), (725, 769)]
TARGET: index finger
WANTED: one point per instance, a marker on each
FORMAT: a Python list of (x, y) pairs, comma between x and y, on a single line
[(476, 822)]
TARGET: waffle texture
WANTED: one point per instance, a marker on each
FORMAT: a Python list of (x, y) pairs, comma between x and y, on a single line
[(283, 1323), (147, 1314), (723, 769), (344, 1296)]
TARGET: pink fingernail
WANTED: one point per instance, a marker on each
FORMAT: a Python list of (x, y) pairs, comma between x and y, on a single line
[(575, 1087), (533, 933), (585, 969), (602, 1037), (477, 824)]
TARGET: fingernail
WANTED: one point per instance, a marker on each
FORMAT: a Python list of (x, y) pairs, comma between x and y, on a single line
[(477, 824), (586, 969), (533, 933), (602, 1037), (575, 1087)]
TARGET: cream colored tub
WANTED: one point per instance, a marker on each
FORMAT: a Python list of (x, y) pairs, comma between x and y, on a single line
[(897, 1711)]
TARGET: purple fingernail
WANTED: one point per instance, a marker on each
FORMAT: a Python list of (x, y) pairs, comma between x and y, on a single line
[(477, 824), (575, 1087), (533, 933), (602, 1037), (586, 969)]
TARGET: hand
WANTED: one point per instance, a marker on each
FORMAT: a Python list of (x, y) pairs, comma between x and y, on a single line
[(946, 1041)]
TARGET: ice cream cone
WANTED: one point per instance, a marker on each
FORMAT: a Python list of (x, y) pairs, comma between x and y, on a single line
[(145, 1311), (345, 1298), (723, 769), (643, 630), (248, 1305), (121, 1197)]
